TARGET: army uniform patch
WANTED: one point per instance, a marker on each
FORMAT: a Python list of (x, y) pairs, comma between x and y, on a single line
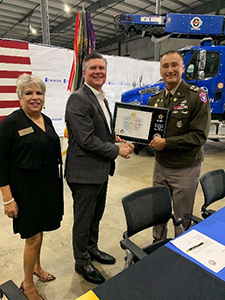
[(203, 97)]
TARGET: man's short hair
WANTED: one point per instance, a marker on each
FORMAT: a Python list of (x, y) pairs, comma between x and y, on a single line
[(92, 56), (172, 52)]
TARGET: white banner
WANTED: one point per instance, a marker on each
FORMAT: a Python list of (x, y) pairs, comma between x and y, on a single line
[(53, 66), (123, 73)]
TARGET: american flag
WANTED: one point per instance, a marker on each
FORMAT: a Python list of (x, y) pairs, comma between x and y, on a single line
[(14, 60)]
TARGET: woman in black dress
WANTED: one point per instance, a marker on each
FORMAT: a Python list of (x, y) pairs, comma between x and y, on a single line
[(31, 177)]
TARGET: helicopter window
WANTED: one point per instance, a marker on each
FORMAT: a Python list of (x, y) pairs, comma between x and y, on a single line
[(211, 67)]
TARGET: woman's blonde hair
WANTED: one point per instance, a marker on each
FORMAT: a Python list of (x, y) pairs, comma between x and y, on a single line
[(27, 80)]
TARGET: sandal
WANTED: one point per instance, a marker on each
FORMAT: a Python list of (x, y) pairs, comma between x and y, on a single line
[(22, 289), (48, 278)]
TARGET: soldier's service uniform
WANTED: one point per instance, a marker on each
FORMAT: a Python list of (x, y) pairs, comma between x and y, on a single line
[(178, 165)]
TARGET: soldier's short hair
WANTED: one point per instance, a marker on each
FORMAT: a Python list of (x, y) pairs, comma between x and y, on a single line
[(172, 52)]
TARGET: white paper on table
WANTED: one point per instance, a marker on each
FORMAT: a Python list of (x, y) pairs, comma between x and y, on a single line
[(205, 250)]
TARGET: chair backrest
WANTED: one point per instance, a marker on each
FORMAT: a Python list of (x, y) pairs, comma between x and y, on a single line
[(147, 207), (213, 186)]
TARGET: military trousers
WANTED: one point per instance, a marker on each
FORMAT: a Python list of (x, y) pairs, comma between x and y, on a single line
[(183, 183)]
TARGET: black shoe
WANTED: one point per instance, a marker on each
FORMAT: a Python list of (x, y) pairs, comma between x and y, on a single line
[(102, 257), (90, 273)]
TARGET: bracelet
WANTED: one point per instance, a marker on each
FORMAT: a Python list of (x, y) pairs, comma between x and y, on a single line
[(10, 201)]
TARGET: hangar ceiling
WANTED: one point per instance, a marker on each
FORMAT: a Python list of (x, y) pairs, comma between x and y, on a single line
[(18, 15)]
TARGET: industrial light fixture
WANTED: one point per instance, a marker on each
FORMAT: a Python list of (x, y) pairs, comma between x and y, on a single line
[(66, 8), (33, 30)]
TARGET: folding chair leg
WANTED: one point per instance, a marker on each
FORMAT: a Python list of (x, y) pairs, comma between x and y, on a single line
[(11, 291)]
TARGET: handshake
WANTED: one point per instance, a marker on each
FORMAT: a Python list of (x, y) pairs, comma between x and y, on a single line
[(126, 148)]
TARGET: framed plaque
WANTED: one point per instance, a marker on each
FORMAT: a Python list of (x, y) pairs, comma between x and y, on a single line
[(139, 123)]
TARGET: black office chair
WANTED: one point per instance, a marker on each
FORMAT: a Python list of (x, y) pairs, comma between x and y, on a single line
[(213, 187), (143, 209)]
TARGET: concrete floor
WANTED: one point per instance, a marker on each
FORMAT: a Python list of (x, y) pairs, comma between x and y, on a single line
[(57, 257)]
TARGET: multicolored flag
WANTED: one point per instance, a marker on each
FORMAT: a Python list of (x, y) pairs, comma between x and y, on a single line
[(84, 43), (14, 60)]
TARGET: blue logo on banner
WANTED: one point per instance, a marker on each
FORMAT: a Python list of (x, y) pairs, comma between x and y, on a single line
[(56, 80)]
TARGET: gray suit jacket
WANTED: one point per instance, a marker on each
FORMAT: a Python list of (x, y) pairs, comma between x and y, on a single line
[(91, 151)]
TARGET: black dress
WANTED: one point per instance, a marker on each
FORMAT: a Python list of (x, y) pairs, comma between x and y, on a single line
[(38, 191)]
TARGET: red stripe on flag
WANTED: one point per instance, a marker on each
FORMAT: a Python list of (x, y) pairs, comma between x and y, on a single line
[(8, 89), (9, 104), (14, 60), (10, 60), (1, 118), (13, 44), (12, 74)]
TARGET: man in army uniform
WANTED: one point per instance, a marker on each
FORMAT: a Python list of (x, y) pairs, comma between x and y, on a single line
[(178, 156)]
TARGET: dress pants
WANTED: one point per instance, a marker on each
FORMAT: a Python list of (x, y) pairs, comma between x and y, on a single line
[(183, 183), (88, 208)]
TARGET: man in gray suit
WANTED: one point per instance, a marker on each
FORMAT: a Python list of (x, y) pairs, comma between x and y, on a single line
[(90, 159)]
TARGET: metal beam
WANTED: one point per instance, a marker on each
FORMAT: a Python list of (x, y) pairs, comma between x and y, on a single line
[(206, 8), (45, 22), (118, 38), (201, 9), (180, 3), (70, 21), (102, 3), (90, 8), (157, 44), (28, 15)]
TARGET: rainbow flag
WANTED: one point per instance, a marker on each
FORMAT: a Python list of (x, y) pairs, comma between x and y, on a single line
[(84, 43)]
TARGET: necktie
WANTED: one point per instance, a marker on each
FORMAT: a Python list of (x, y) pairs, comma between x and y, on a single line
[(168, 98)]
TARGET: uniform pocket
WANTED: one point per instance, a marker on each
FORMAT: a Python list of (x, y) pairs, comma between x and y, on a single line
[(178, 123)]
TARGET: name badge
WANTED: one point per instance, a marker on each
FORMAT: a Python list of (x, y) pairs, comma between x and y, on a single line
[(25, 131)]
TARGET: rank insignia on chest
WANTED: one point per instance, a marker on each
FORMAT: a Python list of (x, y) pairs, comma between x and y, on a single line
[(179, 124), (181, 107)]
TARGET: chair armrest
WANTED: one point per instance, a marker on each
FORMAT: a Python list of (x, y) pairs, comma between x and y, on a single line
[(195, 219), (176, 221), (207, 212), (211, 211), (138, 252)]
